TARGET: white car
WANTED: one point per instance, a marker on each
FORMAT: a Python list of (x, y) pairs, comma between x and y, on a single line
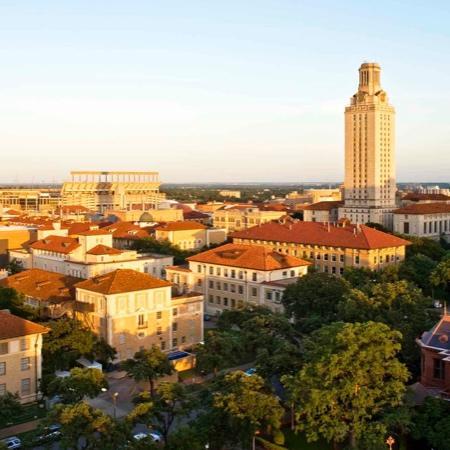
[(12, 442), (156, 437)]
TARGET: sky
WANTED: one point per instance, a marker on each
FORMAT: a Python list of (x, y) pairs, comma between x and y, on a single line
[(208, 90)]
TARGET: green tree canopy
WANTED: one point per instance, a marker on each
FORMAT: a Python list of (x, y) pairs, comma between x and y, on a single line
[(81, 383), (10, 407), (248, 405), (350, 378), (314, 299), (148, 365), (12, 300), (417, 269)]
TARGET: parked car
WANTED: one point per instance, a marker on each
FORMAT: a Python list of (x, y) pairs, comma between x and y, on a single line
[(155, 437), (50, 433), (250, 372), (12, 442)]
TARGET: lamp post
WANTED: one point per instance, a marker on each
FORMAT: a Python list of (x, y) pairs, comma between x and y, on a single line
[(114, 399), (254, 440), (390, 441)]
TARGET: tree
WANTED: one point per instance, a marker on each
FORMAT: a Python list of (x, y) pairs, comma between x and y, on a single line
[(417, 269), (313, 300), (81, 383), (186, 438), (67, 341), (218, 351), (10, 407), (171, 402), (350, 378), (432, 423), (424, 246), (440, 276), (148, 365), (85, 427), (400, 305), (12, 300), (14, 266), (247, 404)]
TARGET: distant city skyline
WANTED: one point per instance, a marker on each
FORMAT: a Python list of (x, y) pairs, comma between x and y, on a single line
[(224, 92)]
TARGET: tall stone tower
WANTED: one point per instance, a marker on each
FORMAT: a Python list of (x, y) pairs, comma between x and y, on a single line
[(369, 152)]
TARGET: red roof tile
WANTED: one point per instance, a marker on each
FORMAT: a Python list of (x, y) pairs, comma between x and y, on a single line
[(424, 208), (12, 326), (315, 233), (248, 257), (417, 197), (58, 244), (121, 281), (323, 206), (103, 250)]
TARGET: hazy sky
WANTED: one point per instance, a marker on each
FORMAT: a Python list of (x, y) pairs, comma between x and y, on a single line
[(248, 90)]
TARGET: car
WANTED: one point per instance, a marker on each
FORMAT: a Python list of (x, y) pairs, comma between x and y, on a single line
[(250, 372), (153, 435), (12, 442), (50, 433)]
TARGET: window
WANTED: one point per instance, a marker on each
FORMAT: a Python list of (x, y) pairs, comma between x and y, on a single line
[(232, 288), (175, 312), (24, 345), (218, 301), (356, 259), (225, 301), (2, 368), (211, 284), (159, 314), (406, 227), (183, 339), (233, 303), (438, 368), (284, 274), (3, 348), (240, 289), (24, 363), (163, 345), (174, 342), (211, 299), (333, 257), (25, 386), (211, 270), (141, 320), (254, 276), (233, 274), (225, 286), (218, 285), (341, 270), (158, 331), (2, 388), (218, 271), (341, 258), (268, 295), (292, 273), (254, 292), (174, 326), (199, 268), (325, 256)]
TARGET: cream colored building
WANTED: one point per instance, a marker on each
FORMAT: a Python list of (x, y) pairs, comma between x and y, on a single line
[(230, 193), (234, 275), (369, 152), (150, 216), (322, 212), (20, 357), (239, 217), (132, 311), (13, 238), (88, 254), (190, 235), (27, 200), (430, 220), (103, 191), (329, 247)]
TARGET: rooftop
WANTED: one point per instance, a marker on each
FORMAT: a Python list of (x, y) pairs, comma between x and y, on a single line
[(103, 250), (417, 197), (122, 281), (181, 226), (12, 326), (424, 208), (248, 257), (323, 206), (315, 233), (57, 244), (42, 285)]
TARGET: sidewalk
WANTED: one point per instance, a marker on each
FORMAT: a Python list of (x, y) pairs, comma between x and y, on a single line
[(18, 429)]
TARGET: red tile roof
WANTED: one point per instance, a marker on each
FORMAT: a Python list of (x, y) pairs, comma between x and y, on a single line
[(73, 209), (323, 206), (248, 257), (127, 230), (78, 227), (102, 231), (42, 285), (315, 233), (58, 244), (12, 326), (181, 226), (417, 197), (103, 250), (121, 281), (424, 208), (191, 215)]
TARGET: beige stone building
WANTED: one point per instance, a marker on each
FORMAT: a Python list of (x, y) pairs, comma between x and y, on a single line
[(20, 357), (27, 200), (132, 311), (369, 152), (190, 235), (431, 220), (329, 247), (87, 254), (239, 217), (322, 212), (230, 193), (235, 275), (103, 191), (149, 216)]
